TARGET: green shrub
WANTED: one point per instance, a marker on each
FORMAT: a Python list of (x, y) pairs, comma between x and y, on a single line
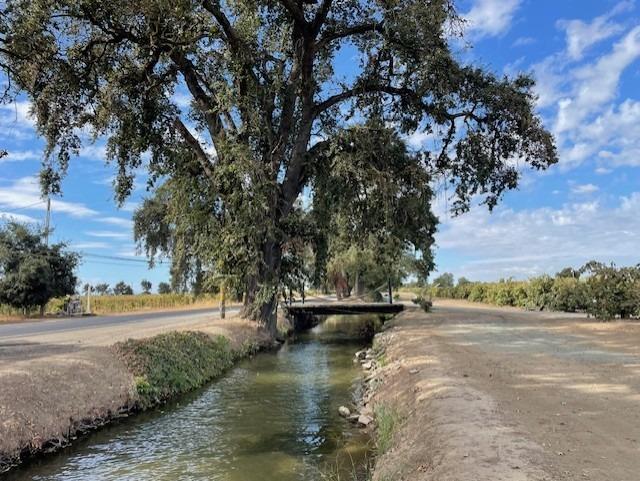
[(569, 295), (478, 293), (613, 292), (174, 363), (607, 293), (539, 293)]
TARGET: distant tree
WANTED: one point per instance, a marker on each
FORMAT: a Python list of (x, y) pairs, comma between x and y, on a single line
[(444, 280), (164, 288), (102, 289), (569, 272), (122, 289), (146, 286), (612, 291), (31, 272), (463, 281)]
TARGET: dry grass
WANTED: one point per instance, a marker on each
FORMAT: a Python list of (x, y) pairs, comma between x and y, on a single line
[(119, 304)]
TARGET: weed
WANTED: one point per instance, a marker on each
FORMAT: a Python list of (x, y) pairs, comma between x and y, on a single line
[(387, 420)]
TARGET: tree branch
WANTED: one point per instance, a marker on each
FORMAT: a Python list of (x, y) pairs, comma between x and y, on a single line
[(359, 90), (206, 105), (296, 12), (321, 16), (229, 32), (195, 146), (349, 31)]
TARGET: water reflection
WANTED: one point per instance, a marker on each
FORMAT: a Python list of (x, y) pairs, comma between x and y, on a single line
[(271, 418)]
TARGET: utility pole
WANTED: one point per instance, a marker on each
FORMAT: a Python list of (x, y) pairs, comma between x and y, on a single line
[(390, 292), (47, 221), (88, 298), (223, 299)]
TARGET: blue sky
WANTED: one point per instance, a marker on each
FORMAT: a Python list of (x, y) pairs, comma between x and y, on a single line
[(585, 55)]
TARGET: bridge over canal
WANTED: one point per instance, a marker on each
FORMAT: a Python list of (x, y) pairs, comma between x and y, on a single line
[(305, 316)]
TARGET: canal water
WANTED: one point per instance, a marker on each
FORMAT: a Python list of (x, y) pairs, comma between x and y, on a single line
[(271, 418)]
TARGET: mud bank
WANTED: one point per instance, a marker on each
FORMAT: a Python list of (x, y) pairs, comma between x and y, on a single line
[(53, 394), (431, 424)]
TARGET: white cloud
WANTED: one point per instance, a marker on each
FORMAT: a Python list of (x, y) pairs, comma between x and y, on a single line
[(93, 152), (584, 189), (21, 155), (613, 137), (16, 121), (523, 41), (90, 245), (25, 193), (119, 221), (11, 216), (491, 18), (597, 84), (582, 35), (603, 171), (17, 113), (129, 206), (106, 234), (581, 100), (543, 240)]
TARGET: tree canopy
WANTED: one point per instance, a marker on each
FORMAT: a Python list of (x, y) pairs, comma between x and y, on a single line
[(232, 107), (31, 272), (122, 289)]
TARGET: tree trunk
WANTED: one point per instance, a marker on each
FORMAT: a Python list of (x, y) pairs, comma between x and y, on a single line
[(359, 285), (262, 289)]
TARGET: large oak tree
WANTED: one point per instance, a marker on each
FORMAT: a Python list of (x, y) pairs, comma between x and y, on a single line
[(267, 96)]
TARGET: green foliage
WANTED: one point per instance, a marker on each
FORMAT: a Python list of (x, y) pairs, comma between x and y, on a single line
[(606, 292), (570, 294), (444, 281), (164, 288), (174, 363), (102, 289), (122, 289), (372, 205), (613, 292), (425, 303), (31, 273), (539, 293), (146, 286)]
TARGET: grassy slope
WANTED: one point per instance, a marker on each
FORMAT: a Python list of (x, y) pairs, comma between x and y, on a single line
[(170, 364)]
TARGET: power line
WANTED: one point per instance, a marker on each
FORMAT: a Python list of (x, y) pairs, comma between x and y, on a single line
[(116, 263), (116, 258), (27, 206)]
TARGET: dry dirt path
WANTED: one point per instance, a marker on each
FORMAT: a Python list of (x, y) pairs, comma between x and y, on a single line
[(502, 394)]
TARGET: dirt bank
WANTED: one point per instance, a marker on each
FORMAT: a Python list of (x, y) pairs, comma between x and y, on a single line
[(53, 391), (487, 394)]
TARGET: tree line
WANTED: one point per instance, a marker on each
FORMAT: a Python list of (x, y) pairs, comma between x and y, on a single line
[(604, 291), (121, 288), (33, 272)]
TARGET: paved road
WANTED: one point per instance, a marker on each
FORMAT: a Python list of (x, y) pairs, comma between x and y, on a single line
[(69, 325)]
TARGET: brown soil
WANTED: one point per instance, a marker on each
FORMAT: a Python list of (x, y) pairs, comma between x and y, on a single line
[(492, 394), (55, 385)]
